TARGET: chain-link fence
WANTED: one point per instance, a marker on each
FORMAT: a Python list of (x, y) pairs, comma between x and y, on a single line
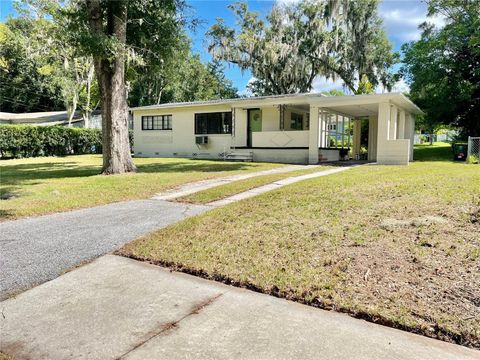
[(473, 156)]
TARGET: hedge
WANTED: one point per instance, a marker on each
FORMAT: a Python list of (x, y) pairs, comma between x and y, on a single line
[(30, 141)]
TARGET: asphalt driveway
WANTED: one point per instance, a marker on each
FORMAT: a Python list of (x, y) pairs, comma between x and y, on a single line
[(35, 250)]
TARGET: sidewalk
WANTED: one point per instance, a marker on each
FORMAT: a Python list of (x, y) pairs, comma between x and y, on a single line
[(118, 308)]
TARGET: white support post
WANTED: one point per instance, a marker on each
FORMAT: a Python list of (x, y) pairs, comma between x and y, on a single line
[(410, 133), (313, 135), (392, 133), (401, 126), (383, 125), (372, 137), (336, 130)]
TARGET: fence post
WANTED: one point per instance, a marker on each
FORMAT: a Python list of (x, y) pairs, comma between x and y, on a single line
[(469, 146)]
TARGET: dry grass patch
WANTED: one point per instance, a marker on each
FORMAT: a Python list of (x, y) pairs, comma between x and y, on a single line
[(324, 242)]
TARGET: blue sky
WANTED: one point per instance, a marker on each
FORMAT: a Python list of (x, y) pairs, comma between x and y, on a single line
[(401, 20)]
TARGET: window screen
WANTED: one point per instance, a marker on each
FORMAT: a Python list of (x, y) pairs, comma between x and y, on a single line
[(158, 122), (213, 123)]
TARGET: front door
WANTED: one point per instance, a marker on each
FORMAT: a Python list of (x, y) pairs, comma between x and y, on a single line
[(254, 124)]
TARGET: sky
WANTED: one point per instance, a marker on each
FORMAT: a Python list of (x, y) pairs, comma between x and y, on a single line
[(401, 20)]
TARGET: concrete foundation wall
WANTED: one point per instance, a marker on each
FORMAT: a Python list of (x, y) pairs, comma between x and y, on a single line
[(288, 156), (280, 139), (329, 155)]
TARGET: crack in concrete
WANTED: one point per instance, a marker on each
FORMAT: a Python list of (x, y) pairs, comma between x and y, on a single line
[(196, 308)]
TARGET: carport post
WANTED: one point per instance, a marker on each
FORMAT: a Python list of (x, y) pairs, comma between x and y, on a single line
[(401, 126), (313, 135)]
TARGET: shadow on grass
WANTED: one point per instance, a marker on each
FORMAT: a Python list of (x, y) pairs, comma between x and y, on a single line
[(16, 175), (194, 166), (20, 173), (6, 214), (434, 152)]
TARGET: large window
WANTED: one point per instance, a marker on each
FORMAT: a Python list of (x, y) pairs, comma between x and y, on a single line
[(213, 123), (297, 121), (158, 122)]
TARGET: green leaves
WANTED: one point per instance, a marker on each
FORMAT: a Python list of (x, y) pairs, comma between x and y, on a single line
[(301, 41), (443, 67)]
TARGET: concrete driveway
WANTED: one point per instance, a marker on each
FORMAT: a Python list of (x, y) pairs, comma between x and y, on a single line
[(118, 308), (35, 250)]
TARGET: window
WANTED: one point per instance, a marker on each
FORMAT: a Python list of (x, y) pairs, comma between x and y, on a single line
[(159, 122), (332, 127), (213, 123), (297, 121)]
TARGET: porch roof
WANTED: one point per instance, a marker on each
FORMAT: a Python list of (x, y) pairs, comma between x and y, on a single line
[(351, 105)]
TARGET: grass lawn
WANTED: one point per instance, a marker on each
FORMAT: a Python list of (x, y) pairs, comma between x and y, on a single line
[(220, 192), (439, 151), (44, 185), (398, 245)]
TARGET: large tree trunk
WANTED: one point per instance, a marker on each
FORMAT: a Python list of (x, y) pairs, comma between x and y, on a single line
[(117, 158)]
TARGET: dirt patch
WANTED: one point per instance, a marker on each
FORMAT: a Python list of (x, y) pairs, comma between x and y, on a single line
[(392, 224), (6, 357)]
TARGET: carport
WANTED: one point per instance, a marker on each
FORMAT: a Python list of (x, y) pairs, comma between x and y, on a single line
[(391, 126)]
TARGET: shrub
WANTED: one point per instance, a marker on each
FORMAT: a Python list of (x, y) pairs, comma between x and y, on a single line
[(473, 159), (28, 141)]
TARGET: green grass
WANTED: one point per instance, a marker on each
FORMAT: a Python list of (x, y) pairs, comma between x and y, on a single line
[(223, 191), (397, 245), (44, 185), (439, 151)]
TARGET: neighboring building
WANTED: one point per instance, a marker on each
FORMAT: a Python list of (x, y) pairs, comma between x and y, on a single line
[(284, 128), (56, 118), (41, 118)]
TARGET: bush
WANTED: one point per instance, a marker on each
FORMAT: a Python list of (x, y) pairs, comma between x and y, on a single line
[(473, 159), (28, 141)]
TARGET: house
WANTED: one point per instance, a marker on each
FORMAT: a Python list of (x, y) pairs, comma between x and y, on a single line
[(301, 128), (50, 118), (41, 118)]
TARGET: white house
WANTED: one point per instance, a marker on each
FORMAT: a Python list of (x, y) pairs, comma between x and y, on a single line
[(301, 128)]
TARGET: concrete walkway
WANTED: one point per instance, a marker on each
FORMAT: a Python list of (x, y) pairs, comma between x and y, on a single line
[(275, 185), (191, 188), (118, 308)]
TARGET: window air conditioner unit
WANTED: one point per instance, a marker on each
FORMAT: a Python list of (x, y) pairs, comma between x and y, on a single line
[(201, 140)]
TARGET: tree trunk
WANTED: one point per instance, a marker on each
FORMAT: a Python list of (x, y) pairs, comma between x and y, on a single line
[(88, 111), (71, 108), (117, 158)]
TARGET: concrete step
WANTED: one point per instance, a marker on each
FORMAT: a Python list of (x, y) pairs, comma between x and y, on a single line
[(240, 156)]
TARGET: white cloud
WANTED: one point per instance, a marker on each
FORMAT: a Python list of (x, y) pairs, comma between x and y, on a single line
[(320, 83), (401, 86), (246, 91), (402, 18)]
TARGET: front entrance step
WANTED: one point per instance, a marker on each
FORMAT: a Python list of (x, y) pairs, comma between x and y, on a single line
[(240, 156)]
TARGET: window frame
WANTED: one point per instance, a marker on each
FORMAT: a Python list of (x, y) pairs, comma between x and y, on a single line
[(157, 122), (296, 121), (202, 126)]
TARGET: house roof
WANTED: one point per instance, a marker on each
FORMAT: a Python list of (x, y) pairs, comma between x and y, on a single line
[(226, 101), (306, 98)]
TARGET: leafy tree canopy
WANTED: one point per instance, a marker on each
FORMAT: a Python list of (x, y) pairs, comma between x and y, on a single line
[(295, 43), (46, 58), (443, 67)]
